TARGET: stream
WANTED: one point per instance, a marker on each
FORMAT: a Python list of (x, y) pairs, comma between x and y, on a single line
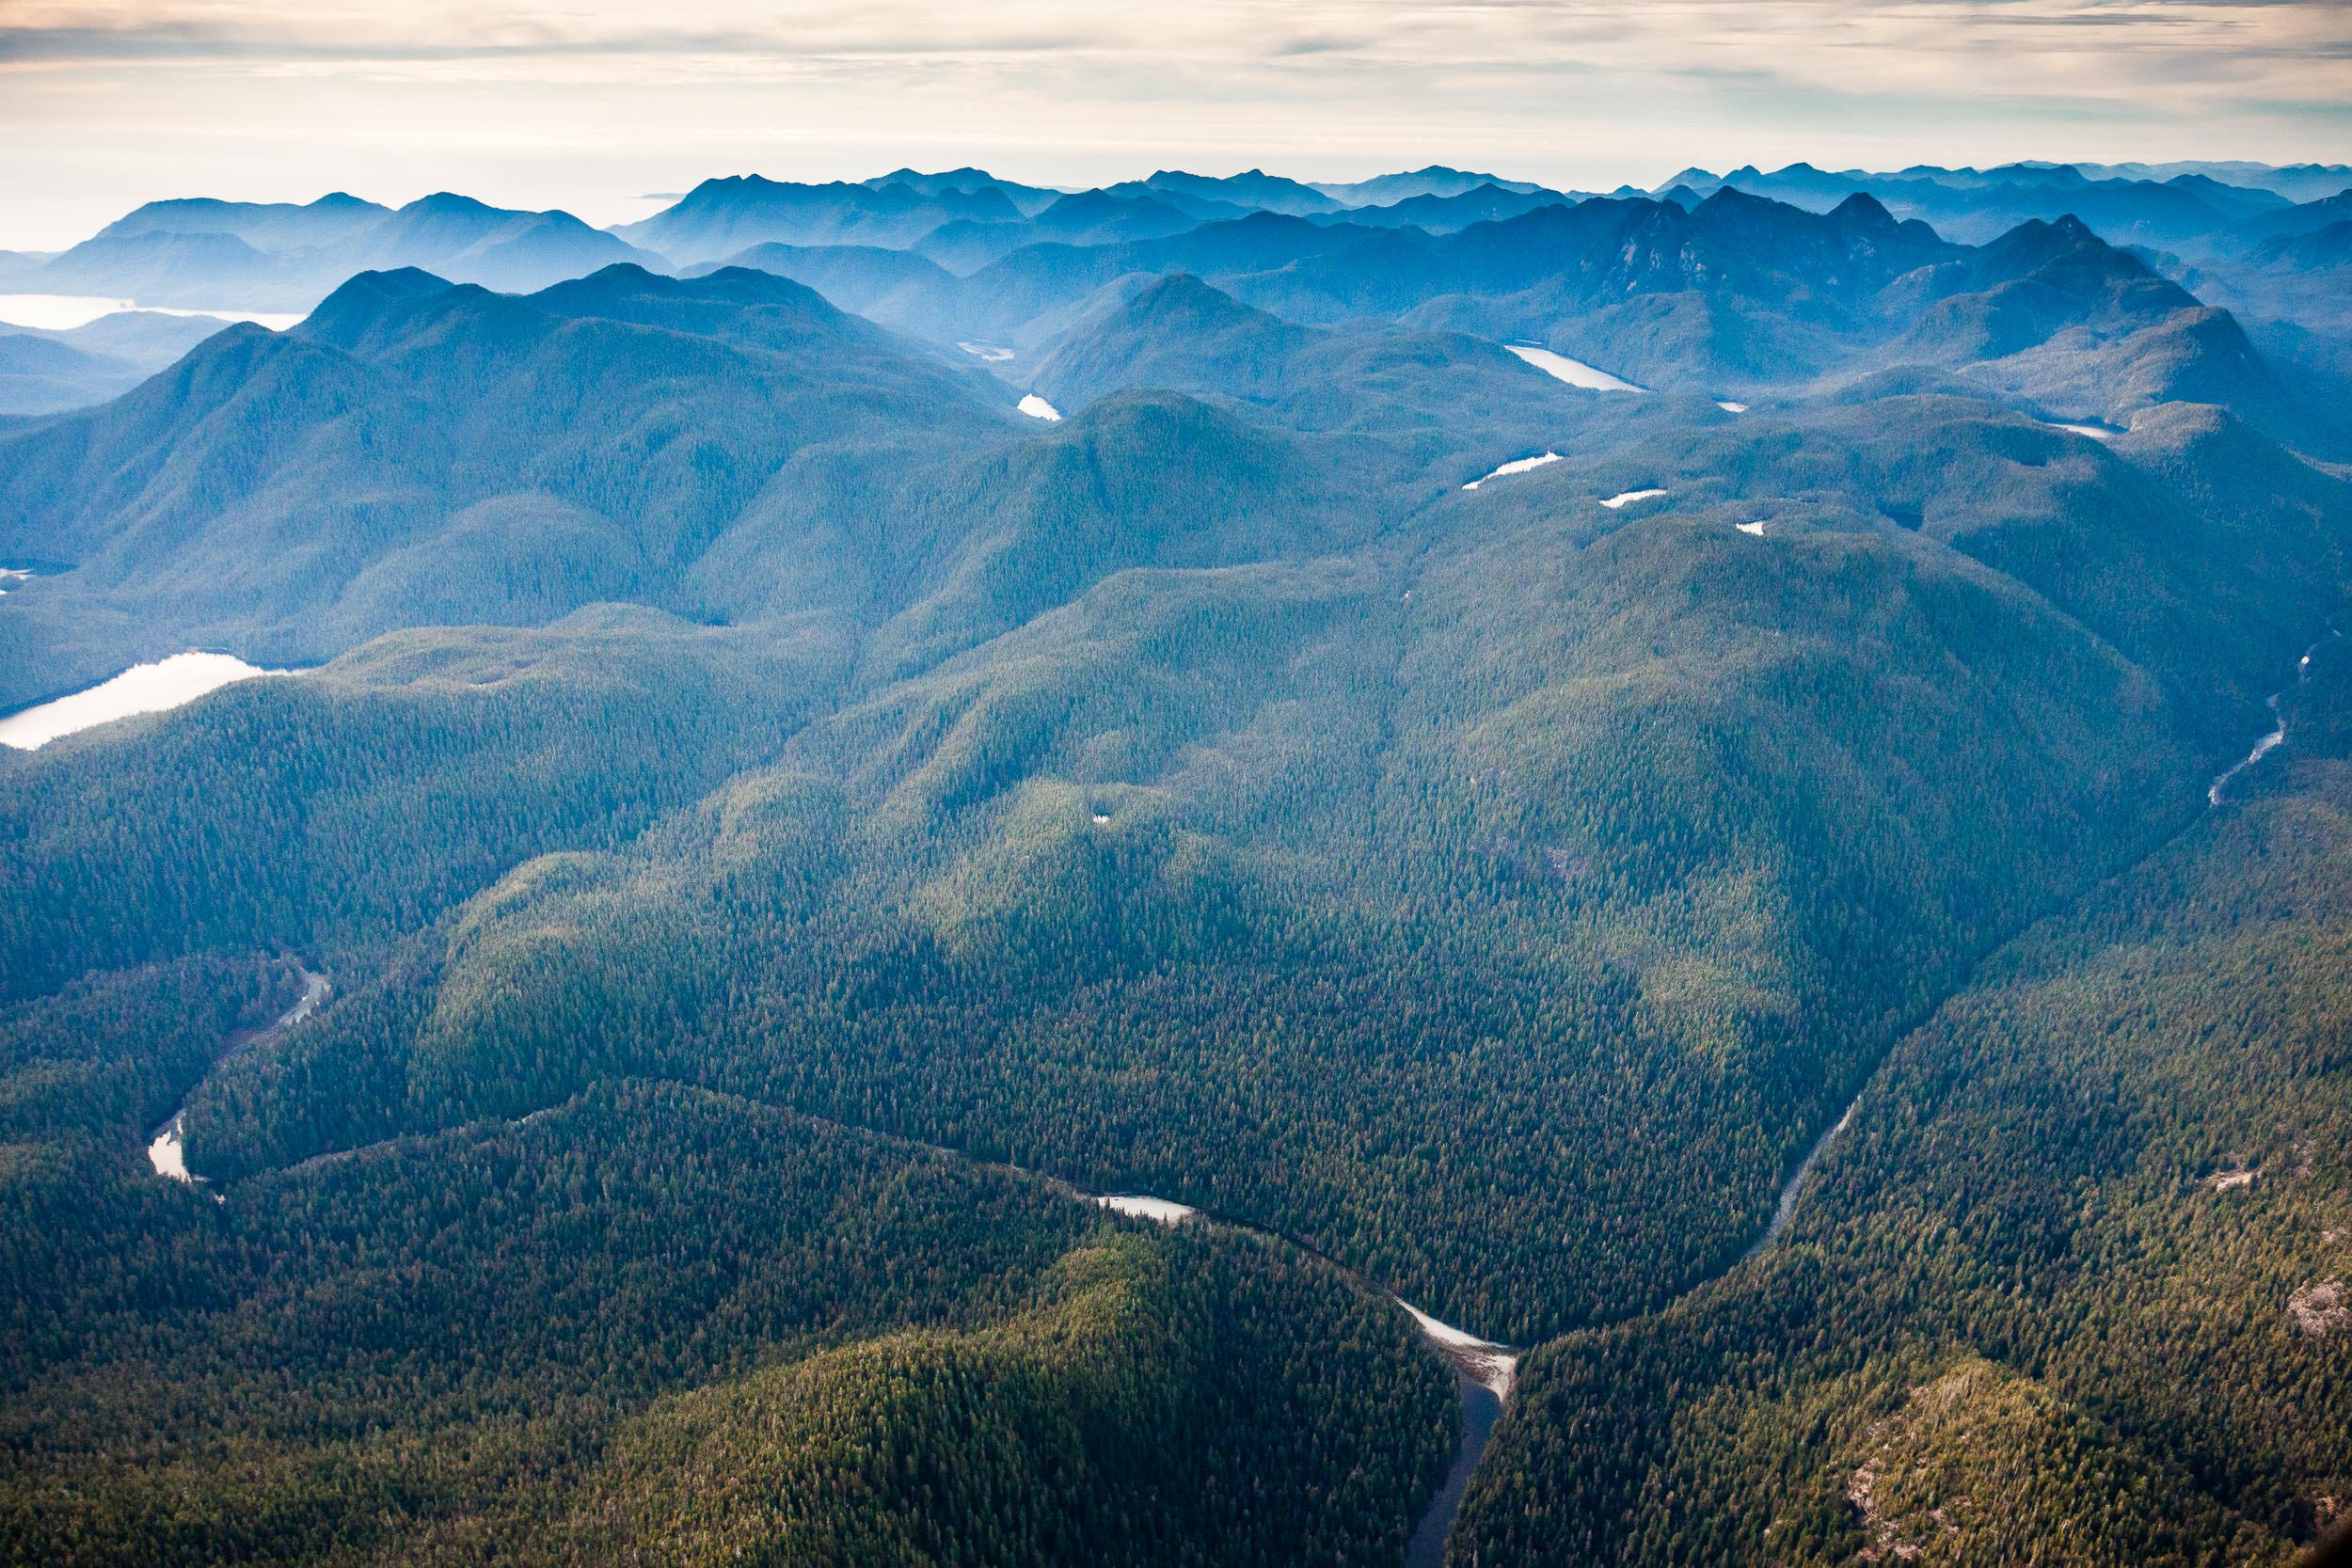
[(167, 1152), (2270, 742), (1784, 1209)]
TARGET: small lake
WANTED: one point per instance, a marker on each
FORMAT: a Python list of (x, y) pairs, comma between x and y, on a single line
[(1576, 373), (1518, 465), (1627, 498), (1138, 1206), (142, 688)]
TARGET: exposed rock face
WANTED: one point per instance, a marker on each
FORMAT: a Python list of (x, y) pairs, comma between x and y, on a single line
[(2322, 1308)]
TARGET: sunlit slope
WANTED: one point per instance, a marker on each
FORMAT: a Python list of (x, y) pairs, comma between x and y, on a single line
[(1554, 881)]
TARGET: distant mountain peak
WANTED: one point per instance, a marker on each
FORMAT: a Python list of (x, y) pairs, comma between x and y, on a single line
[(450, 201), (1862, 209)]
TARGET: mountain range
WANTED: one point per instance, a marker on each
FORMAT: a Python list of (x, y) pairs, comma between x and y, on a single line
[(937, 842)]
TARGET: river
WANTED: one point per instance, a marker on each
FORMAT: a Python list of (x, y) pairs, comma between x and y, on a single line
[(2278, 735), (165, 1151), (1784, 1209)]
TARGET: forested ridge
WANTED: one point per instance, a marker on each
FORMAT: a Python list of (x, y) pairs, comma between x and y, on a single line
[(776, 821), (2069, 1288), (442, 1348)]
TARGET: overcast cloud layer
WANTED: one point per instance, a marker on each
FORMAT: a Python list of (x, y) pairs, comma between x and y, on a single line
[(589, 104)]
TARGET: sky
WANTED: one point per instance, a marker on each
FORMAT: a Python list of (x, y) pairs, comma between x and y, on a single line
[(603, 107)]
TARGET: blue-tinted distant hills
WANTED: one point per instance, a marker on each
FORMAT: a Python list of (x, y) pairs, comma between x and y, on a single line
[(265, 226), (1437, 179), (1084, 217), (2167, 205), (42, 372), (1444, 213), (1251, 190), (200, 253), (220, 255), (1738, 283), (1732, 294), (719, 217)]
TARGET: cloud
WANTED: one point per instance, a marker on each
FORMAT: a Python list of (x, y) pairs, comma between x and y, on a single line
[(2196, 52), (1573, 92), (2057, 45)]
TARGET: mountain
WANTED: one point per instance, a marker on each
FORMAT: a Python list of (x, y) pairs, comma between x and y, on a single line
[(1176, 333), (48, 370), (2057, 317), (1460, 403), (1084, 218), (1024, 297), (194, 271), (720, 217), (2304, 219), (148, 340), (2292, 183), (1799, 184), (868, 281), (275, 226), (2306, 182), (210, 255), (1200, 209), (419, 452), (2310, 251), (1252, 190), (1443, 214), (2238, 202), (467, 242), (1976, 205), (1028, 199), (1731, 295), (39, 374), (2034, 281), (1387, 190), (1642, 287), (2122, 1069)]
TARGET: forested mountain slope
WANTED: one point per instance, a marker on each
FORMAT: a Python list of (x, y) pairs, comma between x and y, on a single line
[(2073, 1286), (1346, 770), (663, 1325), (1460, 403), (417, 452)]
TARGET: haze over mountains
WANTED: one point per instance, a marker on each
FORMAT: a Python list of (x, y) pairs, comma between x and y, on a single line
[(1663, 776)]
